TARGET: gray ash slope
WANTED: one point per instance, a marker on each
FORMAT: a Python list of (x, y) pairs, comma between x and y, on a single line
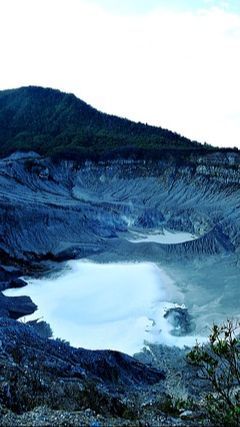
[(89, 205), (58, 210)]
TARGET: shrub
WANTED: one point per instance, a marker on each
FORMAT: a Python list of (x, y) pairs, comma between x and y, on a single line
[(219, 363)]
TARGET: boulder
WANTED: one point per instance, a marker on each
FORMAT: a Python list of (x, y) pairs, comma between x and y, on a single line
[(17, 283), (16, 307), (180, 319)]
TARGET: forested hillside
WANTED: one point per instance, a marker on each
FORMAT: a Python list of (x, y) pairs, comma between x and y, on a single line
[(60, 125)]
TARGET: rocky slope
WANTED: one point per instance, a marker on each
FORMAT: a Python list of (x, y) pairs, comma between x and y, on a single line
[(47, 382), (90, 205)]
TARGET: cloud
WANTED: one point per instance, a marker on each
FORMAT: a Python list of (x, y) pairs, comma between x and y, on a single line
[(176, 69)]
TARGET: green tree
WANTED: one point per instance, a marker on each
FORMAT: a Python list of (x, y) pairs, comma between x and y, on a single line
[(219, 364)]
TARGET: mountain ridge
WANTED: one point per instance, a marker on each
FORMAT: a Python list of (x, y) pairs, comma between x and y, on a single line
[(58, 124)]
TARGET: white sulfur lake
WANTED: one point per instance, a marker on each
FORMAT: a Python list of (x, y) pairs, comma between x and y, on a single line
[(116, 306), (164, 237)]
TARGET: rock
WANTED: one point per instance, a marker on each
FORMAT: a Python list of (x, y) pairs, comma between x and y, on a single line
[(16, 307), (180, 319), (191, 415), (17, 283), (111, 367), (116, 367), (41, 327), (44, 173), (9, 277)]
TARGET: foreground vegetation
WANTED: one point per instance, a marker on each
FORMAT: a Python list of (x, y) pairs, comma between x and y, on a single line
[(219, 364)]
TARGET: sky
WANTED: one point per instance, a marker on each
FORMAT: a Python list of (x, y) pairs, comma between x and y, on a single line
[(170, 63)]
